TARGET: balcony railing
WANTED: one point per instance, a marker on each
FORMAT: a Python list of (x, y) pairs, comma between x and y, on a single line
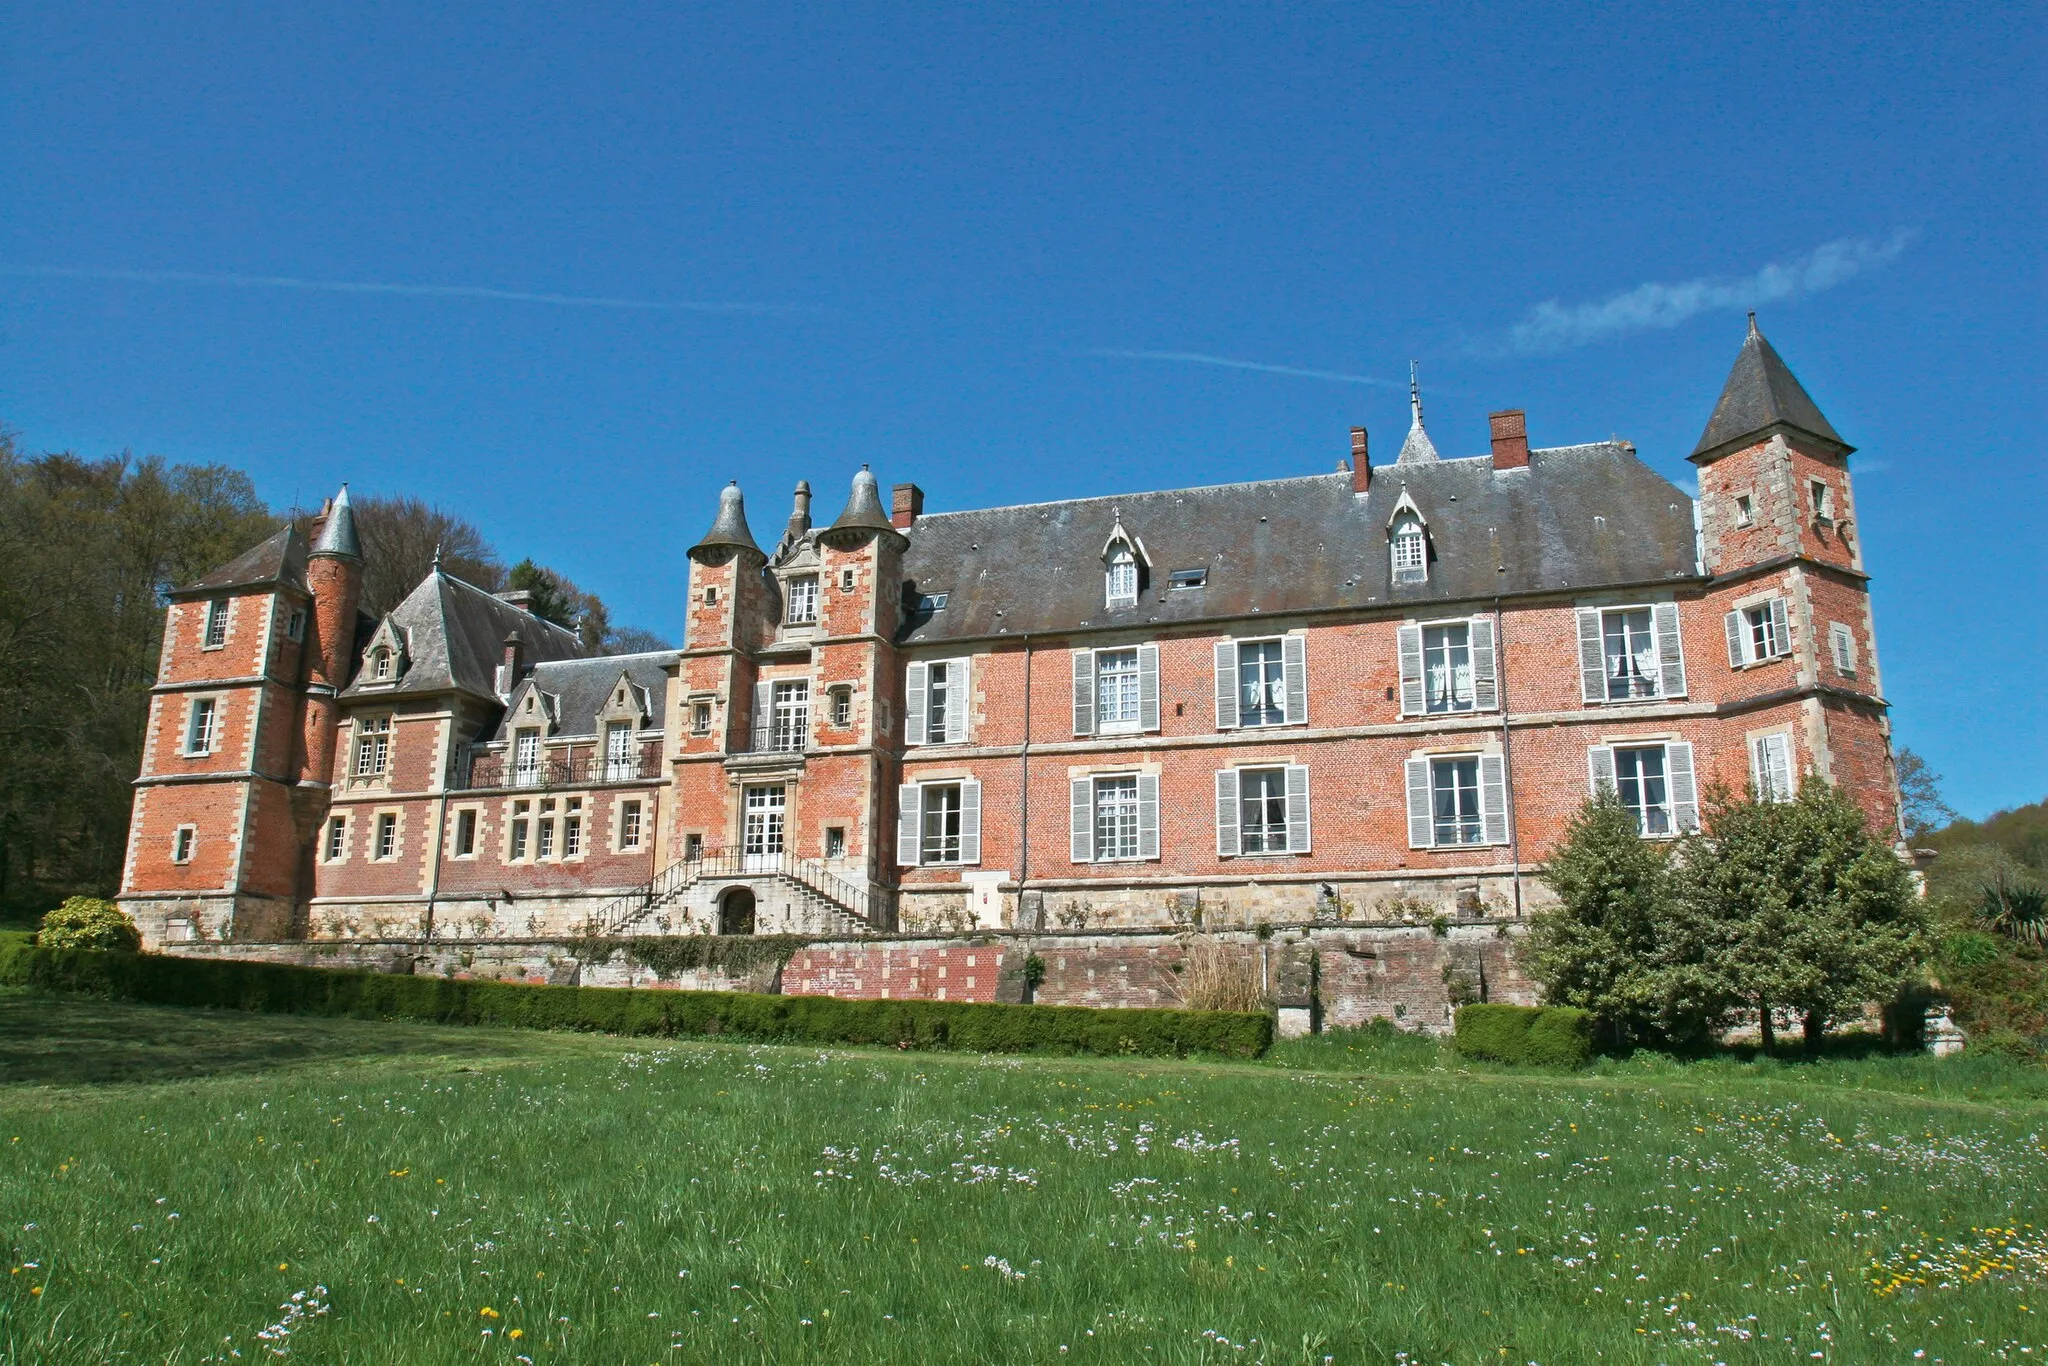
[(787, 734), (488, 768)]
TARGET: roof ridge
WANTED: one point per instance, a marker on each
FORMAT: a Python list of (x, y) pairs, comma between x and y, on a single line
[(1140, 493), (487, 593)]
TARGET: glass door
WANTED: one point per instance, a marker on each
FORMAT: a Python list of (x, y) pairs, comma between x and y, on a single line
[(761, 833)]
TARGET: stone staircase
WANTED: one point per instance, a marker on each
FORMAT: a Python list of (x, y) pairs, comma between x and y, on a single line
[(791, 896)]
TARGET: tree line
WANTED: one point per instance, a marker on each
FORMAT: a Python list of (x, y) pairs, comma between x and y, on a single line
[(88, 549)]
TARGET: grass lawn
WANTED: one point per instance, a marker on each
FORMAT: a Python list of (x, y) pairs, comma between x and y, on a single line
[(175, 1185)]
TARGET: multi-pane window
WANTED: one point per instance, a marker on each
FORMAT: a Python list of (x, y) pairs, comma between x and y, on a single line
[(522, 825), (1116, 817), (526, 767), (1116, 690), (1632, 654), (387, 835), (1629, 647), (700, 718), (380, 663), (939, 700), (835, 841), (572, 829), (216, 623), (620, 762), (629, 826), (1123, 577), (337, 838), (790, 717), (842, 706), (803, 600), (1454, 801), (1770, 767), (1640, 780), (182, 844), (1447, 667), (1758, 632), (199, 725), (693, 847), (1763, 633), (1262, 810), (295, 624), (1410, 552), (373, 745), (846, 580), (940, 840), (1261, 684), (544, 831), (465, 834)]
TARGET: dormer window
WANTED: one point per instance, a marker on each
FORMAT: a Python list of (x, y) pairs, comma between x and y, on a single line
[(1123, 576), (1410, 551), (803, 601), (380, 664)]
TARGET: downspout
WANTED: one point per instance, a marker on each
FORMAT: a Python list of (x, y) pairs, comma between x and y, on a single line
[(1507, 749), (1024, 784)]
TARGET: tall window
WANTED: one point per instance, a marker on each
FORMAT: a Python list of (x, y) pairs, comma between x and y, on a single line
[(1843, 641), (1823, 500), (373, 745), (835, 841), (199, 726), (522, 826), (182, 844), (621, 764), (1770, 767), (629, 826), (526, 770), (700, 718), (842, 706), (1123, 576), (465, 834), (790, 722), (1639, 779), (941, 836), (1629, 646), (803, 600), (380, 664), (1762, 627), (572, 828), (1410, 551), (1116, 690), (337, 838), (693, 848), (216, 623), (1261, 684), (1454, 801), (1262, 810), (387, 835), (544, 831), (1447, 667), (938, 699), (295, 624), (1116, 817)]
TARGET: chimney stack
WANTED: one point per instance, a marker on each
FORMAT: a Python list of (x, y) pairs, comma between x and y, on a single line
[(1510, 439), (510, 671), (908, 505), (1361, 465)]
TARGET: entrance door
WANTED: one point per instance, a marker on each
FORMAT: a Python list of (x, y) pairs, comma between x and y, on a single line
[(736, 912), (761, 836)]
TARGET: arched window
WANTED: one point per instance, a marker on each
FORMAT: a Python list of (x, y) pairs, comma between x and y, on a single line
[(1411, 551), (1123, 576), (380, 664)]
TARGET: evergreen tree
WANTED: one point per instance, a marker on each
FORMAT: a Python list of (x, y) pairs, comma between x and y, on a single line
[(1598, 949)]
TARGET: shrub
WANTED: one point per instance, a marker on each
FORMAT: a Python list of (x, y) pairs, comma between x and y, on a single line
[(163, 980), (88, 922), (1525, 1036), (1222, 976)]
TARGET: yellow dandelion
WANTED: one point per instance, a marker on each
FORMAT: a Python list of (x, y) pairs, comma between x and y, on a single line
[(489, 1313)]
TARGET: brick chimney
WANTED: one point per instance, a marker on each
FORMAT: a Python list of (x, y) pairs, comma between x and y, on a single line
[(1361, 465), (1510, 439), (907, 505), (510, 671)]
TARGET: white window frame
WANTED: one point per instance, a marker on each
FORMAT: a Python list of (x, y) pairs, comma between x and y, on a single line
[(1421, 774), (474, 816), (1294, 692), (202, 726), (1842, 645), (632, 825), (1117, 673), (1482, 667), (574, 845), (1666, 665), (1772, 775), (1087, 697), (1823, 495), (529, 757), (1408, 550), (803, 601), (913, 840), (214, 624), (1745, 510), (1120, 576), (184, 843), (334, 840), (1681, 782), (1768, 617), (386, 824), (621, 760), (372, 756), (1230, 808), (1084, 807), (519, 832), (295, 624), (840, 696)]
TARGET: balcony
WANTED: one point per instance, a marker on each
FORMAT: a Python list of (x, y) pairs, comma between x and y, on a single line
[(480, 767)]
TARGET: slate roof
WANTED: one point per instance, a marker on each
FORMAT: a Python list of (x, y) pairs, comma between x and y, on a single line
[(338, 530), (1762, 392), (280, 559), (455, 639), (1578, 518), (729, 529), (580, 688)]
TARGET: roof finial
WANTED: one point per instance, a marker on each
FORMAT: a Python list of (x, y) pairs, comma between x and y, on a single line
[(1418, 446), (1415, 392), (437, 557), (1752, 322)]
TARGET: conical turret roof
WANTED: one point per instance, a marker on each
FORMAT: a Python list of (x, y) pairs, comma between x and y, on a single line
[(338, 530), (1761, 393), (864, 511), (729, 529)]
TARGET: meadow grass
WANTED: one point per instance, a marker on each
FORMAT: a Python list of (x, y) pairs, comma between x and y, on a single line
[(176, 1185)]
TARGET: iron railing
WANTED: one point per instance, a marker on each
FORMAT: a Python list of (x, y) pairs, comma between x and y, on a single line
[(714, 864), (789, 733), (497, 768)]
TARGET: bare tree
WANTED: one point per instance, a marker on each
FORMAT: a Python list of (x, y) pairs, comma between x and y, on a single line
[(400, 537)]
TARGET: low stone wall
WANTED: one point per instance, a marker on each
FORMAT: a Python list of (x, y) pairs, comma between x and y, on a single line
[(1318, 975)]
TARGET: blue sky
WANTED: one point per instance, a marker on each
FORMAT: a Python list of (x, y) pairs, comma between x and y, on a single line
[(569, 269)]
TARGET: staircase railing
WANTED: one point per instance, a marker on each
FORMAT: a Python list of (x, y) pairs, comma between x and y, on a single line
[(683, 874)]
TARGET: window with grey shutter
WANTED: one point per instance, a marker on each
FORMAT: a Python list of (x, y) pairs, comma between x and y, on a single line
[(970, 821), (1485, 682), (1148, 687), (909, 820), (914, 704), (1294, 671), (1409, 641), (1770, 767), (1227, 844), (1420, 835), (1084, 692), (764, 715), (1081, 803), (1738, 640), (1148, 815), (1781, 629), (1297, 808), (1226, 685), (1493, 798), (1670, 650), (1685, 797), (957, 695), (1600, 769), (1592, 673)]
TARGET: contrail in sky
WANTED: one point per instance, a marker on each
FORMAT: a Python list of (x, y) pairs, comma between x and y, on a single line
[(1227, 363), (517, 296)]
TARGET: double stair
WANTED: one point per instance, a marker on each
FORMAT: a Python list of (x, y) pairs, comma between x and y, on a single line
[(823, 896)]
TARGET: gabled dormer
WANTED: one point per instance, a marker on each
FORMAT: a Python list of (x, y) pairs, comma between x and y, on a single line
[(533, 707), (386, 658), (1125, 567), (1408, 547)]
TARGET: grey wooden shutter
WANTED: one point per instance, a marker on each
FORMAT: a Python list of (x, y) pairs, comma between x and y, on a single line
[(1781, 629), (1148, 687), (958, 699), (1493, 798), (1081, 808), (1409, 637), (915, 709), (1294, 676), (1148, 815), (1592, 665), (1228, 841), (1485, 684), (1226, 685), (1670, 650), (1685, 797), (1297, 808), (1600, 769), (1084, 692), (1738, 640), (764, 714), (1420, 827), (1781, 765), (970, 821), (909, 823)]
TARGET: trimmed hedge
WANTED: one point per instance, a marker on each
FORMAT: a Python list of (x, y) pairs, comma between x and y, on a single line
[(1527, 1036), (162, 980)]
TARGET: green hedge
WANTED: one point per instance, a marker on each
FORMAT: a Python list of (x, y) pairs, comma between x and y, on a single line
[(1528, 1036), (162, 980)]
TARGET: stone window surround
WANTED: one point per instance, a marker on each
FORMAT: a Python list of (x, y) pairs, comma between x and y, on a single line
[(1785, 729), (1762, 598), (348, 842), (455, 813), (397, 815), (185, 837), (225, 606), (213, 736), (618, 823)]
